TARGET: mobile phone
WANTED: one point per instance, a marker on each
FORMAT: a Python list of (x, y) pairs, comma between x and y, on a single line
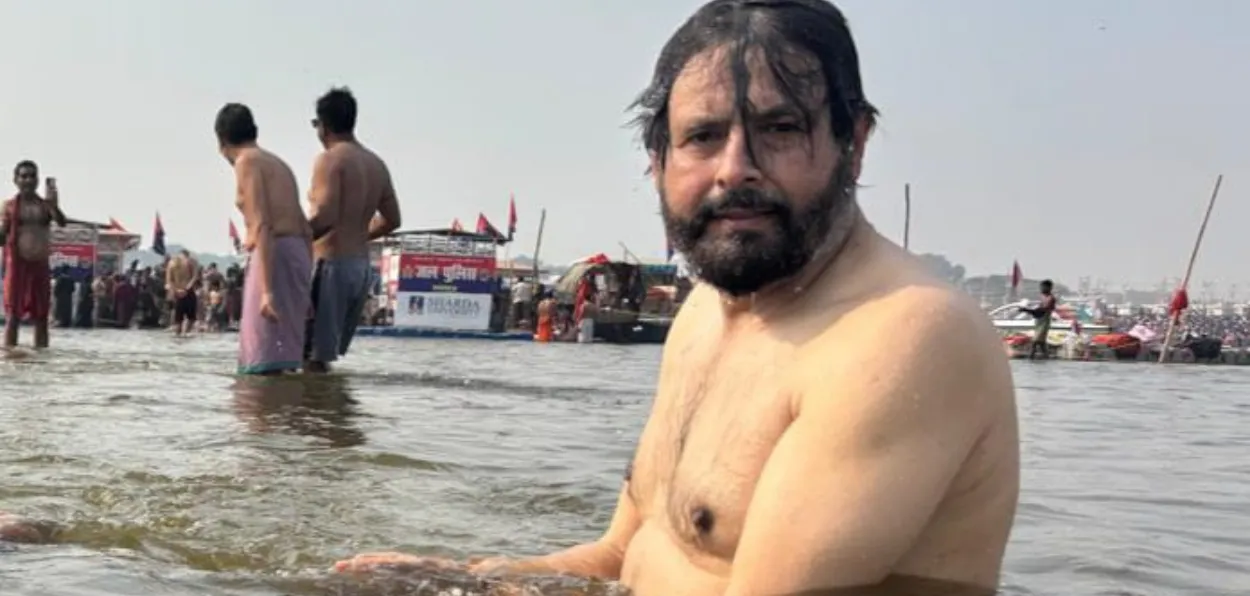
[(50, 182)]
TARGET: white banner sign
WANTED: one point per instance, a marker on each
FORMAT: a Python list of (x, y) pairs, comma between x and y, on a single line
[(74, 234), (443, 310)]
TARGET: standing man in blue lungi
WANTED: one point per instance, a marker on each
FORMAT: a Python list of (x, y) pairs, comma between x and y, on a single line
[(350, 185)]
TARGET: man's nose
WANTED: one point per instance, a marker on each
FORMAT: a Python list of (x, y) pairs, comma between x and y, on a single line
[(738, 165)]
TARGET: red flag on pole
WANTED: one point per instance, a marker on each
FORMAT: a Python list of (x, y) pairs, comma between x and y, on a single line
[(456, 226), (511, 216), (485, 228), (1016, 275), (1180, 302), (158, 236)]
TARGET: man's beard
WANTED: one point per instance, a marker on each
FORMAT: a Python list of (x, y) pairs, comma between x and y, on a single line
[(742, 262)]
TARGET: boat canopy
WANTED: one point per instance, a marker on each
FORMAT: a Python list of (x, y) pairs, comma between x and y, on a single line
[(595, 259), (566, 287)]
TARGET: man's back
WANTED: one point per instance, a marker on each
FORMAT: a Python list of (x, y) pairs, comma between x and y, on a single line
[(284, 214), (363, 180)]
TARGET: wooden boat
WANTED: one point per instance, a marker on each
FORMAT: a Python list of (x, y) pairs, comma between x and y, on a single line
[(621, 316)]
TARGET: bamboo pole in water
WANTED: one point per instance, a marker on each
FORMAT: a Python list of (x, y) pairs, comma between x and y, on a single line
[(538, 244), (1193, 257), (906, 216)]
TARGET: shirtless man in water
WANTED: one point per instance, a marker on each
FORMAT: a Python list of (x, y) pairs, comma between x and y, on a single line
[(182, 277), (352, 201), (26, 231), (276, 292), (829, 415)]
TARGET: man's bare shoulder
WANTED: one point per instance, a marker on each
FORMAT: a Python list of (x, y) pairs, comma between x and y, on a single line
[(929, 310), (374, 161), (333, 157), (345, 152), (920, 338), (688, 333), (692, 317), (272, 158), (286, 171), (252, 162)]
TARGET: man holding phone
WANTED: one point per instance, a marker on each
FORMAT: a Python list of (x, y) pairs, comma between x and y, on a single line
[(26, 230)]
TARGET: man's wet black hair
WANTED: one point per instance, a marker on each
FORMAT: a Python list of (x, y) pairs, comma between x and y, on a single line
[(336, 111), (25, 163), (779, 28), (235, 125)]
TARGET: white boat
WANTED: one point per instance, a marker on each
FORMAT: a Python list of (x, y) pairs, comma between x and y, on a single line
[(1009, 320)]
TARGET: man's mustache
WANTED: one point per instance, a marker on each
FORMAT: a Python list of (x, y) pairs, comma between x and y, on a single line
[(745, 199)]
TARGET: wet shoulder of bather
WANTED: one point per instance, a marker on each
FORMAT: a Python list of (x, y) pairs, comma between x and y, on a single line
[(909, 336)]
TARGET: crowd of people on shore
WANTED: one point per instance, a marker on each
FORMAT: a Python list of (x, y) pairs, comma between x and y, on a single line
[(1230, 326), (140, 298), (1232, 329)]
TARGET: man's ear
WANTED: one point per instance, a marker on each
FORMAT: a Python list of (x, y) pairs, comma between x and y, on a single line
[(863, 128)]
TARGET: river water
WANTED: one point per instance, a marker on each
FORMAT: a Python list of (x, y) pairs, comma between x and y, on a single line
[(172, 478)]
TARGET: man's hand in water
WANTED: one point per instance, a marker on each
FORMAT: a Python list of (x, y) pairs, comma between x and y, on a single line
[(402, 562), (19, 529), (266, 307), (396, 562)]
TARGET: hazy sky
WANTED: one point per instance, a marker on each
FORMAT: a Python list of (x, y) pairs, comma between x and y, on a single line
[(1080, 137)]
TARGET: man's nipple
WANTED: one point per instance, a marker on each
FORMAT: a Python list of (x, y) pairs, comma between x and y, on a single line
[(701, 519)]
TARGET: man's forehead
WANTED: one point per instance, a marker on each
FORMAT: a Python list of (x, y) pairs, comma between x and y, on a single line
[(706, 85)]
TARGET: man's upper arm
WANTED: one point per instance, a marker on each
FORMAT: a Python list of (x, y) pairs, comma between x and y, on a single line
[(388, 206), (325, 192), (56, 216), (628, 519), (624, 524), (872, 452)]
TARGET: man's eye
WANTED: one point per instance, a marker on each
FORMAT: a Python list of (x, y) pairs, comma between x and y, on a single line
[(784, 127), (701, 137)]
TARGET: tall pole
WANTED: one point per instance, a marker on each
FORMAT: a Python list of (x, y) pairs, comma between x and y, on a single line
[(507, 260), (628, 254), (538, 244), (1193, 258), (906, 216)]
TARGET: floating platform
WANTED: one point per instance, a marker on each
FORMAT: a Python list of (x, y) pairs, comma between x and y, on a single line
[(1096, 353), (426, 333)]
